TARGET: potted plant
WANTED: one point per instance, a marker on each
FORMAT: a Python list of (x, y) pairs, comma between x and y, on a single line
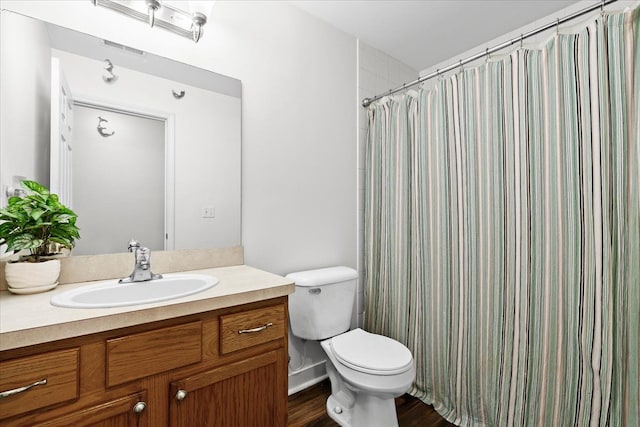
[(38, 228)]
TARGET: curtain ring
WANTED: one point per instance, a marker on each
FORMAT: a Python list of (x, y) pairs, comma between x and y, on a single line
[(461, 67), (602, 2), (521, 41), (486, 56), (557, 26)]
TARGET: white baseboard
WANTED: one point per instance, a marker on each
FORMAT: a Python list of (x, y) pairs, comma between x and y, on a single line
[(306, 377)]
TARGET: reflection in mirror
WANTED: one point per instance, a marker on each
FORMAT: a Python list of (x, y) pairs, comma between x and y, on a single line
[(138, 145), (130, 150)]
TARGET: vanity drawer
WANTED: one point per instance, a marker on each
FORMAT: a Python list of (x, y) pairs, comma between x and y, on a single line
[(140, 355), (249, 328), (59, 369)]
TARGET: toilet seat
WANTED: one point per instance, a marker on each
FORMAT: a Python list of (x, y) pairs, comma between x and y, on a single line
[(371, 353)]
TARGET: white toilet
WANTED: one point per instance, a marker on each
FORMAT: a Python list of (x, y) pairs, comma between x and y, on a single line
[(367, 371)]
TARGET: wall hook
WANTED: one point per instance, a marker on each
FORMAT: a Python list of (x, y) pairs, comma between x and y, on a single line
[(109, 68), (178, 95), (102, 129)]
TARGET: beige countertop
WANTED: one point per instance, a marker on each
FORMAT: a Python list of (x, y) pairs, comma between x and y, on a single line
[(30, 319)]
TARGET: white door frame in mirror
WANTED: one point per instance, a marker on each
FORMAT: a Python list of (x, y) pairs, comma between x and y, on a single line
[(61, 150), (169, 143)]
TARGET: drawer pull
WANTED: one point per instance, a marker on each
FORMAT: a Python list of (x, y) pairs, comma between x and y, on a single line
[(181, 394), (139, 407), (258, 329), (9, 393)]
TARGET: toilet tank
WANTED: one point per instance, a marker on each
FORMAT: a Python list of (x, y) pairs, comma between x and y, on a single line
[(322, 304)]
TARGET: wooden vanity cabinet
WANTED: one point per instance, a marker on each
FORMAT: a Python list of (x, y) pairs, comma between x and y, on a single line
[(226, 367)]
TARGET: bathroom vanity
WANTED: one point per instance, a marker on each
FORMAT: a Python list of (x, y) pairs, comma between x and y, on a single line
[(216, 358)]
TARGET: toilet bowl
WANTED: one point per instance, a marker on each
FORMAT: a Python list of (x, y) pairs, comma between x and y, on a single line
[(367, 371)]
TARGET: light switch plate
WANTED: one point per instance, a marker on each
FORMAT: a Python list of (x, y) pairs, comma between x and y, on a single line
[(208, 212)]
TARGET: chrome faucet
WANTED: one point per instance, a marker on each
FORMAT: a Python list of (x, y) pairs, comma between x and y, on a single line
[(142, 268)]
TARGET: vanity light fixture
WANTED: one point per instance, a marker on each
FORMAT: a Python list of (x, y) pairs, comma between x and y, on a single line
[(170, 15)]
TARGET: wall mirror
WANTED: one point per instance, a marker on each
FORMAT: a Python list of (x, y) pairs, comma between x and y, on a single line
[(140, 146)]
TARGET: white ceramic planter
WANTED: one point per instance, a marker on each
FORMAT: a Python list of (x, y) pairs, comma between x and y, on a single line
[(32, 277)]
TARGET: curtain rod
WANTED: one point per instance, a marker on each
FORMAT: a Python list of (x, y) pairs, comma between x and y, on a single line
[(367, 101)]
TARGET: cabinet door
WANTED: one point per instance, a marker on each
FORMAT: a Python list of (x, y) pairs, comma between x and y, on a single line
[(127, 411), (248, 393)]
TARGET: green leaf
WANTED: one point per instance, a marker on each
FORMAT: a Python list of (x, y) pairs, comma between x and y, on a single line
[(64, 230), (7, 228), (35, 187), (8, 213), (63, 218), (62, 241), (37, 213), (23, 241), (27, 208), (14, 200)]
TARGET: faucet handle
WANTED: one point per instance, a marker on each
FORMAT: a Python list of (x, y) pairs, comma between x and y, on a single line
[(133, 244), (144, 252), (143, 257)]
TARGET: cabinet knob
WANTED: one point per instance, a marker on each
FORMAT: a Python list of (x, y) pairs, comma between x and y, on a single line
[(139, 407), (181, 394)]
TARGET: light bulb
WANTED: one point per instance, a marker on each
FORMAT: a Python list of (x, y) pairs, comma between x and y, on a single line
[(200, 10), (152, 6)]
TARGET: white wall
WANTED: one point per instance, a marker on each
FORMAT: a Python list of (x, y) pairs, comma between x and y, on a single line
[(299, 121), (377, 73), (25, 107)]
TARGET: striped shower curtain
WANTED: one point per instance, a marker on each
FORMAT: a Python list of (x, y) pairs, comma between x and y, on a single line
[(502, 232)]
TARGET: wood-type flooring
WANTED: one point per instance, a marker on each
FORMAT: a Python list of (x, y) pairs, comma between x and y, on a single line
[(307, 409)]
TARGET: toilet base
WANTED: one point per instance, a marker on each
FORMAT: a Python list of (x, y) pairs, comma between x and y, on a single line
[(337, 413), (351, 408), (368, 411)]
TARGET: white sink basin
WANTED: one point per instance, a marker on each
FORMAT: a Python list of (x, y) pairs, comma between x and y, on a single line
[(114, 294)]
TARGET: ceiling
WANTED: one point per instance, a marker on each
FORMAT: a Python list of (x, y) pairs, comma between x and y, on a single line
[(422, 33)]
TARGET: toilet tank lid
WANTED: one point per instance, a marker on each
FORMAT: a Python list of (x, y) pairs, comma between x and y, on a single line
[(323, 276)]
